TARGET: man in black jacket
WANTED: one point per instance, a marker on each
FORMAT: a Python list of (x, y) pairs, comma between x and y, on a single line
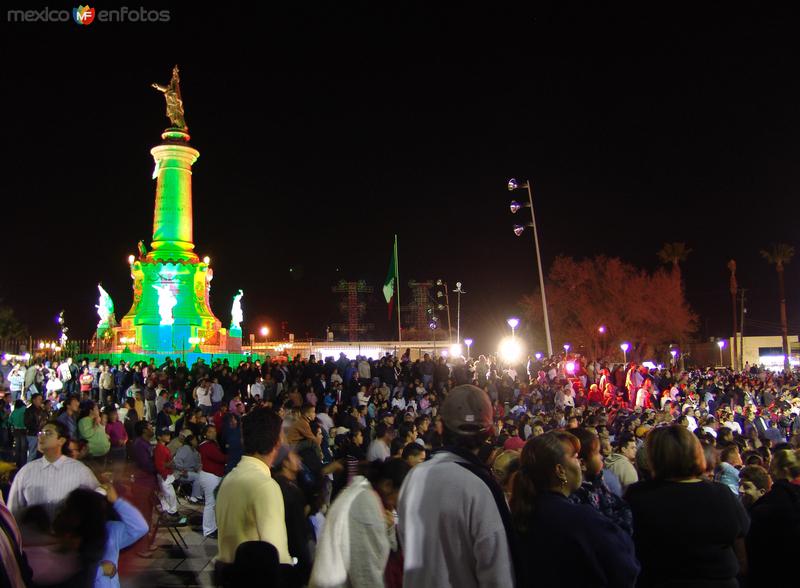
[(35, 418)]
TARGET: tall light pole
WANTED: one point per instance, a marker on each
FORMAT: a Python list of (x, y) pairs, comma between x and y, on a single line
[(458, 291), (468, 343), (624, 348), (518, 230), (721, 345), (441, 292), (513, 323)]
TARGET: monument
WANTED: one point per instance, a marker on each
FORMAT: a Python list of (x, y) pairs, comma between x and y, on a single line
[(170, 312)]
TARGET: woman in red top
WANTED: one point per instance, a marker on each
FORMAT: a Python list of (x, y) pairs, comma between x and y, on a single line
[(213, 461), (162, 459), (86, 380)]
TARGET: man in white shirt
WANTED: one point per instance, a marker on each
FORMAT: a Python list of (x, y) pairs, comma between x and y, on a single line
[(48, 480), (324, 419), (203, 395), (461, 541), (379, 448), (257, 389)]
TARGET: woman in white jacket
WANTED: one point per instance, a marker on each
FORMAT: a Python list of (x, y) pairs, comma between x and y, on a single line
[(360, 530)]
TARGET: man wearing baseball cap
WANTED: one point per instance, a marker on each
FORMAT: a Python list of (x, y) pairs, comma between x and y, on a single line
[(454, 523)]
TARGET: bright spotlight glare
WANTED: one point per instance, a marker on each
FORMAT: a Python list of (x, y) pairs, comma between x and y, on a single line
[(538, 356), (510, 350), (570, 367), (455, 350)]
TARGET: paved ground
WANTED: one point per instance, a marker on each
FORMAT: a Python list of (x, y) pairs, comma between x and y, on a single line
[(174, 566)]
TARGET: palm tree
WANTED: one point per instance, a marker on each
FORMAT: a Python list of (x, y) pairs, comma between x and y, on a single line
[(674, 253), (781, 254)]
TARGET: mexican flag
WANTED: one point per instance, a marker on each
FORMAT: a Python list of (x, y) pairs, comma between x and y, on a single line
[(390, 285)]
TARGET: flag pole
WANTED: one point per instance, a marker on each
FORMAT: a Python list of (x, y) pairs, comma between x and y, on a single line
[(397, 290)]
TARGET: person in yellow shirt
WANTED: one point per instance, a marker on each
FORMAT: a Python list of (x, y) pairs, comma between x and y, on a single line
[(249, 501)]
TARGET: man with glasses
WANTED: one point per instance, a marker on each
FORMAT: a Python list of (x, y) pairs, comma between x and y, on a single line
[(48, 480)]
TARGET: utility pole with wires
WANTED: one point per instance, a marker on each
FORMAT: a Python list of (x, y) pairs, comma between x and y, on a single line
[(741, 328), (733, 288)]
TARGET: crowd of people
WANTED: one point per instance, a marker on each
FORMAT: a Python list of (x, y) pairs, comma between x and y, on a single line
[(394, 471)]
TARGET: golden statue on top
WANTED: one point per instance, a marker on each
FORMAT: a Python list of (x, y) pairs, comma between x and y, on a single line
[(172, 94)]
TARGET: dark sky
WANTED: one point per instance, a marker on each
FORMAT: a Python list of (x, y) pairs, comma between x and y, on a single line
[(324, 130)]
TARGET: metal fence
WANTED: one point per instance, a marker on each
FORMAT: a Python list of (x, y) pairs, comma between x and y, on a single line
[(47, 348)]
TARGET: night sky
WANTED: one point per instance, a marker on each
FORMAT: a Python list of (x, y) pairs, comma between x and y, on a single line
[(323, 131)]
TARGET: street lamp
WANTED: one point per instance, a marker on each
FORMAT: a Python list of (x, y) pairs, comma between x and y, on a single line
[(566, 347), (673, 353), (721, 345), (625, 347), (513, 323), (600, 347), (518, 230), (458, 291), (265, 333), (468, 343), (538, 356)]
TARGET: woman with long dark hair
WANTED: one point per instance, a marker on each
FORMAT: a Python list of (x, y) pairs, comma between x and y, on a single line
[(565, 543)]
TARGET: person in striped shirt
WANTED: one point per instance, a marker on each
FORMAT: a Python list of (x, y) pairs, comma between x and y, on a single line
[(48, 480)]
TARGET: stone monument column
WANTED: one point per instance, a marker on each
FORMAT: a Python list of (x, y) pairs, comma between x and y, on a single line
[(172, 220)]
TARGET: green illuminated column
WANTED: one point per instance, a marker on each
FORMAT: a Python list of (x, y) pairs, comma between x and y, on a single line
[(172, 221)]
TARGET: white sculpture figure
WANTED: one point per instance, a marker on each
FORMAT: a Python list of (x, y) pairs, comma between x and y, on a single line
[(166, 302), (105, 308), (236, 311)]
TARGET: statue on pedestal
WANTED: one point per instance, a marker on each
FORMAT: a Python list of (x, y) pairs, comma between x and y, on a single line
[(105, 309), (172, 94), (166, 302), (236, 312)]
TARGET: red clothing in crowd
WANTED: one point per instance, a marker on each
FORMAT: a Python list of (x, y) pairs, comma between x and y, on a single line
[(161, 457), (212, 458), (595, 394), (218, 416)]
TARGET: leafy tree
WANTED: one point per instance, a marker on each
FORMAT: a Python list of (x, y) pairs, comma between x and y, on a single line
[(10, 327), (645, 309)]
